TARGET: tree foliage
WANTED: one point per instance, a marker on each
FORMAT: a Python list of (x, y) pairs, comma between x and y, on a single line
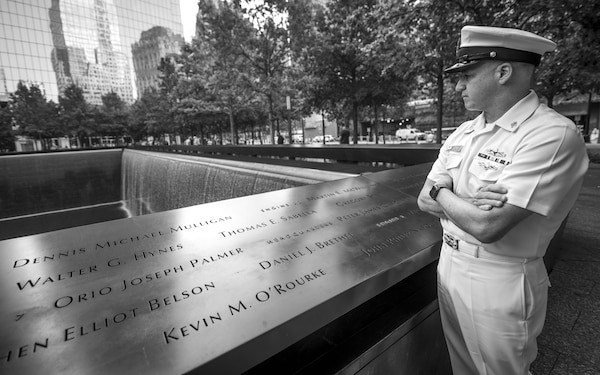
[(150, 116), (111, 117), (7, 137), (76, 115), (32, 113)]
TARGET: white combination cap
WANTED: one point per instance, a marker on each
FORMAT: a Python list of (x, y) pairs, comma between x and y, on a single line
[(498, 43)]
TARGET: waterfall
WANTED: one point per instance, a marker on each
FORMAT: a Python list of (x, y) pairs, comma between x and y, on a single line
[(155, 182)]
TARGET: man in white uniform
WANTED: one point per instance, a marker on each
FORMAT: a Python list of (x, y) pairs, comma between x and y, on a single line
[(501, 186)]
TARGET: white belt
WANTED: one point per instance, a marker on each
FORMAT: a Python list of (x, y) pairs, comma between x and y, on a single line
[(478, 251)]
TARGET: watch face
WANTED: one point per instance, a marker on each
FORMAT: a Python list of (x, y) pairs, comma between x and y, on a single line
[(434, 192)]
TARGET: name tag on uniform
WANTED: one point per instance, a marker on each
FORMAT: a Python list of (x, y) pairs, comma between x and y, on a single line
[(457, 149)]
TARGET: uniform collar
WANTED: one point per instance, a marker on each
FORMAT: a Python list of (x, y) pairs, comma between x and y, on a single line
[(477, 123), (519, 112), (514, 117)]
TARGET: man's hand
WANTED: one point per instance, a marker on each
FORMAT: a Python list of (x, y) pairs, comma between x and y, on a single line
[(489, 196)]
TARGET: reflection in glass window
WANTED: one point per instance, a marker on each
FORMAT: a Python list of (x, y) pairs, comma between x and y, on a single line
[(88, 41), (8, 32)]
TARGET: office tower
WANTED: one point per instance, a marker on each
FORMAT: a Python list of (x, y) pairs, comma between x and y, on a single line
[(155, 43), (3, 90), (55, 43)]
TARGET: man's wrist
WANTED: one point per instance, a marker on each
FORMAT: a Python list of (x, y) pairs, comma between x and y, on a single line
[(435, 190)]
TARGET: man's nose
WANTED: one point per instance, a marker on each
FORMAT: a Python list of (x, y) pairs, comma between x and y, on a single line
[(459, 86)]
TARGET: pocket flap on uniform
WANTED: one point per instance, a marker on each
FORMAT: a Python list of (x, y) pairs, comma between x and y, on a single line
[(486, 170), (453, 161)]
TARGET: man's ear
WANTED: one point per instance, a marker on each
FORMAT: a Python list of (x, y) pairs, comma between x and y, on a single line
[(503, 72)]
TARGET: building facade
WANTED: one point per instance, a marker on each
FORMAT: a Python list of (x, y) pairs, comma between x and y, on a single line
[(90, 43), (154, 44)]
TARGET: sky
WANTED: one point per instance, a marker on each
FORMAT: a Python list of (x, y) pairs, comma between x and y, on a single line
[(189, 10)]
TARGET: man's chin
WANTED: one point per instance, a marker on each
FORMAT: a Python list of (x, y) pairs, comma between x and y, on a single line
[(470, 107)]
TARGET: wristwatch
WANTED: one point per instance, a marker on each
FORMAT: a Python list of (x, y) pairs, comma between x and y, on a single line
[(435, 190)]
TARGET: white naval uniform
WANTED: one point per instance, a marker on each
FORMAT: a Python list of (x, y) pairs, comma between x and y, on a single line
[(493, 296)]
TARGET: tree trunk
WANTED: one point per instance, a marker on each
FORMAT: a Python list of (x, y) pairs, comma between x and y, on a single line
[(589, 113), (323, 124), (376, 125), (234, 137), (550, 100), (290, 137), (384, 122), (440, 103), (270, 99), (355, 113)]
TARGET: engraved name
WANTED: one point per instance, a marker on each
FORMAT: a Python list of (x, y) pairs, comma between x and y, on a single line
[(24, 351), (43, 280), (157, 303), (216, 257), (266, 264), (200, 224), (151, 277), (395, 240), (246, 229), (74, 332), (154, 253), (48, 258), (128, 240)]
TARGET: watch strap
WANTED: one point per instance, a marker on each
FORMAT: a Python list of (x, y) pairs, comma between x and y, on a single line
[(435, 190)]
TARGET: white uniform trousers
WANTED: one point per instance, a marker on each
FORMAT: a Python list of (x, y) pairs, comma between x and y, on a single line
[(492, 309)]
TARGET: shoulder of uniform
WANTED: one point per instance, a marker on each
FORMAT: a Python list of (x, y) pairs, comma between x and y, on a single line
[(548, 117)]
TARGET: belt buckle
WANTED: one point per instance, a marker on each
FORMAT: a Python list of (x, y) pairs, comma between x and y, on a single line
[(451, 241)]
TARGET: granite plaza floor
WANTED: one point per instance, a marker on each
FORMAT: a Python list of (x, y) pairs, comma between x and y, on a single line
[(570, 341)]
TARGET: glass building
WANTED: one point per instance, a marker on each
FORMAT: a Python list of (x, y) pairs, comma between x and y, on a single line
[(91, 43)]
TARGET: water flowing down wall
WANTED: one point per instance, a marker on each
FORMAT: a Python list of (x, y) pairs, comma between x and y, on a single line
[(155, 182), (44, 192)]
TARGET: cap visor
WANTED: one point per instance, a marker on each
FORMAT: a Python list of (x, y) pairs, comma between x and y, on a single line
[(458, 67)]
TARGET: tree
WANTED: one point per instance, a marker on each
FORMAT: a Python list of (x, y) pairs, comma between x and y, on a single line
[(75, 115), (432, 28), (7, 138), (136, 122), (149, 116), (111, 117), (32, 114), (573, 68), (263, 41), (346, 60), (392, 76), (219, 63)]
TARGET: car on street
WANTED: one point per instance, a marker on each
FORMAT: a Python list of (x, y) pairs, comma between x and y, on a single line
[(319, 138), (411, 134)]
